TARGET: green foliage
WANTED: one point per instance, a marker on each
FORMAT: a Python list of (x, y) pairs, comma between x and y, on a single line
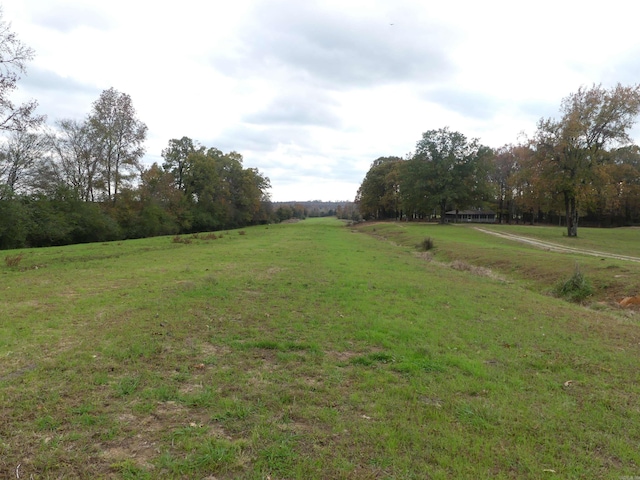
[(176, 158), (221, 193), (378, 195), (89, 222), (82, 184), (576, 288), (49, 225), (14, 224), (447, 171), (40, 221)]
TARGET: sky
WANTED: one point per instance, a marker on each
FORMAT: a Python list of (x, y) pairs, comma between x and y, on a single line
[(312, 92)]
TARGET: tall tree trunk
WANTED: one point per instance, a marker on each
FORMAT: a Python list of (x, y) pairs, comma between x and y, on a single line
[(443, 211), (572, 214)]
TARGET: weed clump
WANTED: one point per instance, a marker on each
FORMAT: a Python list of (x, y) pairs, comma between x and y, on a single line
[(179, 239), (242, 232), (425, 245), (575, 289), (12, 261)]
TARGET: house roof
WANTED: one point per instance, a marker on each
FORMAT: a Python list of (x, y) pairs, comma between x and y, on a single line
[(471, 212)]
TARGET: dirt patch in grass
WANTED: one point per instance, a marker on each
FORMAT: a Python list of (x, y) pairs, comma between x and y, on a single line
[(209, 349), (17, 373), (142, 448), (462, 266), (475, 270), (142, 445), (135, 450), (344, 356), (190, 388)]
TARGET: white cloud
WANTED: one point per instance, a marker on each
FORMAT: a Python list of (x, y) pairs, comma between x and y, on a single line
[(312, 92)]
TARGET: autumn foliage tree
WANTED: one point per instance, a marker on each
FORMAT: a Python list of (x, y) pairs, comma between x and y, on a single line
[(507, 163), (84, 180), (570, 149)]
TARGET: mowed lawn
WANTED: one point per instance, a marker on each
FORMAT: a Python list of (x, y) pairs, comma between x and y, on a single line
[(316, 350)]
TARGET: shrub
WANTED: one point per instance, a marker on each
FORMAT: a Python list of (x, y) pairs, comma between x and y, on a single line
[(13, 261), (241, 232), (575, 289), (425, 245)]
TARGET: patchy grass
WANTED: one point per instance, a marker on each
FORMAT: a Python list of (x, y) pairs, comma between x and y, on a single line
[(309, 350)]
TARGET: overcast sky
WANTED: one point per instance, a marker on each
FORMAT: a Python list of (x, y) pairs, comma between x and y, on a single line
[(311, 92)]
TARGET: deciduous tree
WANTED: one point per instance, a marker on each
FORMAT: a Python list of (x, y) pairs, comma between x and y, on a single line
[(506, 166), (14, 56), (379, 193), (75, 152), (448, 171), (175, 158), (593, 120), (19, 158), (119, 137)]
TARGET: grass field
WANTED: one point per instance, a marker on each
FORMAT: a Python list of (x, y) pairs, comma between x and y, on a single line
[(316, 350)]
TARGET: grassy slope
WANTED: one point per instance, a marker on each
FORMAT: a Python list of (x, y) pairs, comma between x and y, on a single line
[(307, 351), (538, 269)]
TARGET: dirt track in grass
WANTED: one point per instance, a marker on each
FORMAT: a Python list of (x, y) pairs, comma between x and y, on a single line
[(554, 247)]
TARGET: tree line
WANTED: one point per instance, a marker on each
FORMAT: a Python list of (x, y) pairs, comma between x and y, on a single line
[(311, 209), (84, 181), (583, 165)]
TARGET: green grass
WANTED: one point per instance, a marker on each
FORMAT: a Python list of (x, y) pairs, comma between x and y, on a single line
[(623, 241), (537, 269), (313, 350)]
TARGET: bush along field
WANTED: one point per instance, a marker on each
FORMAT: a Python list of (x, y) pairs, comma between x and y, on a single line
[(318, 350)]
